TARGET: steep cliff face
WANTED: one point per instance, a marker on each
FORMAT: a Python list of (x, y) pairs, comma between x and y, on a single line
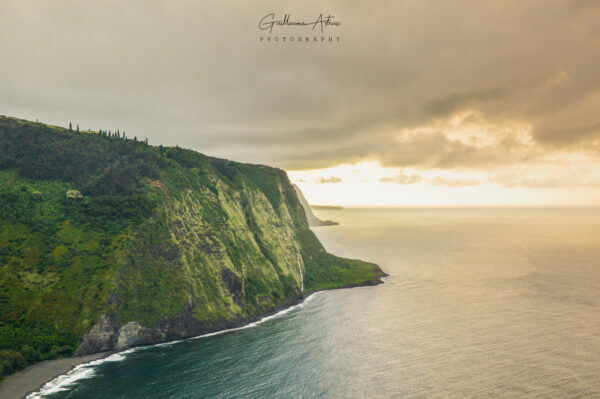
[(162, 243), (312, 220)]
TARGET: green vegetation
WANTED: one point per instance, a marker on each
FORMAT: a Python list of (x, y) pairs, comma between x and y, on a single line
[(94, 223)]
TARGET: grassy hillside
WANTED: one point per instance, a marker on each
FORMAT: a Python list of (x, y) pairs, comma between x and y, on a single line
[(92, 224)]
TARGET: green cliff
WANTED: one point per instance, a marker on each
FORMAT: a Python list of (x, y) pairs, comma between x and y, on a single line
[(107, 243)]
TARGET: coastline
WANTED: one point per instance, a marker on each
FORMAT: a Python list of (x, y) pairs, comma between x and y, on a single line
[(32, 378), (35, 377)]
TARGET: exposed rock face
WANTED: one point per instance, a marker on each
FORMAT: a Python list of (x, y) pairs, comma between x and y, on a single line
[(234, 285), (101, 338), (106, 335), (312, 220), (128, 335)]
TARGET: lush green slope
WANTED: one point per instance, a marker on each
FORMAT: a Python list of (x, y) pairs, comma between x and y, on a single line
[(163, 243)]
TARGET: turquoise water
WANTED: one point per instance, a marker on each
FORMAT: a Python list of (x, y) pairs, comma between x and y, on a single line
[(498, 303)]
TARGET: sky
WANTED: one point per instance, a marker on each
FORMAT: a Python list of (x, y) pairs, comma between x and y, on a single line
[(449, 102)]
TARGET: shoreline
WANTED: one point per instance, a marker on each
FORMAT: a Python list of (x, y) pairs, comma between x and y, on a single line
[(36, 376)]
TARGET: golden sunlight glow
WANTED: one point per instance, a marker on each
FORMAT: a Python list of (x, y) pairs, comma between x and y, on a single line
[(370, 184)]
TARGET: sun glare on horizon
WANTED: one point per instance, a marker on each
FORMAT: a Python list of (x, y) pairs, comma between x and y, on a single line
[(370, 184)]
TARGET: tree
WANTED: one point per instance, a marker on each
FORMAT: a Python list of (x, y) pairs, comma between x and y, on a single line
[(70, 126), (78, 128)]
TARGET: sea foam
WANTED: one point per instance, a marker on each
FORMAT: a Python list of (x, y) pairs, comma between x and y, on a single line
[(81, 371)]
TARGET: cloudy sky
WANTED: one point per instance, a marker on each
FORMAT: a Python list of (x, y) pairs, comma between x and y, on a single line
[(418, 103)]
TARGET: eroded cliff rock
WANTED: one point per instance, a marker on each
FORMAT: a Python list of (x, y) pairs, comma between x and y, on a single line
[(101, 338)]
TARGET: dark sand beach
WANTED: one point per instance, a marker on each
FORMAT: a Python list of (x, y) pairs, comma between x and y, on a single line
[(33, 377)]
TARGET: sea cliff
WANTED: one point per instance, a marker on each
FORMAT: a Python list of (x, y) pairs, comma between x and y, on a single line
[(108, 243), (312, 220)]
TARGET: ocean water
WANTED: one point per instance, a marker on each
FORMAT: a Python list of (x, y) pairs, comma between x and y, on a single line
[(481, 303)]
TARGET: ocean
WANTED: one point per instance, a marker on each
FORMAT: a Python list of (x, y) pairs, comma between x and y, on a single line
[(480, 303)]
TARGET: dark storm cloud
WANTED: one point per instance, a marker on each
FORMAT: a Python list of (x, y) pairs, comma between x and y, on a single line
[(565, 135), (195, 74), (446, 106)]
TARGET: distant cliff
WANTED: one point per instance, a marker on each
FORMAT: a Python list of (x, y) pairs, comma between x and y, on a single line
[(310, 216), (108, 243), (327, 207)]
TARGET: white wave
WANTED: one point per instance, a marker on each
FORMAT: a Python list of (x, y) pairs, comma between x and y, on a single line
[(62, 383), (169, 343), (260, 321), (81, 371), (86, 370)]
